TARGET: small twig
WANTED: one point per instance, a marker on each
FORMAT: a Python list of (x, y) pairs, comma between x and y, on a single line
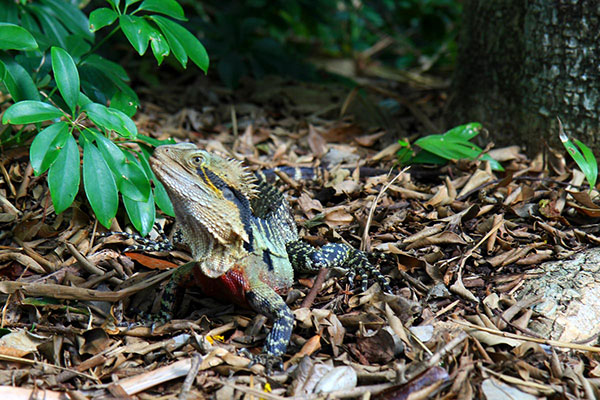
[(437, 357), (285, 178), (191, 375), (365, 236), (22, 360), (549, 342), (316, 288), (88, 266)]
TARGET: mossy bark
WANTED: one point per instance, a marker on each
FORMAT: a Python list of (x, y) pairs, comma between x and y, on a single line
[(522, 64)]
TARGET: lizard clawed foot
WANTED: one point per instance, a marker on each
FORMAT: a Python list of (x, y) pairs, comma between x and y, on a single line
[(359, 265), (271, 362)]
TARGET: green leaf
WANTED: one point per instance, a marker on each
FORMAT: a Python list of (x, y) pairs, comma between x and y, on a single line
[(77, 46), (137, 31), (130, 2), (191, 45), (141, 214), (107, 66), (585, 158), (18, 82), (167, 7), (64, 175), (99, 184), (454, 146), (30, 111), (114, 3), (131, 179), (121, 101), (591, 164), (174, 44), (159, 45), (101, 17), (47, 145), (13, 37), (66, 76), (161, 198), (71, 17), (110, 119), (464, 132), (155, 142), (53, 29)]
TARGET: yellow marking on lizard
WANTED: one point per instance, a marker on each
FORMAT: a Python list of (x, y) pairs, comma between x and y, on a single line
[(209, 182)]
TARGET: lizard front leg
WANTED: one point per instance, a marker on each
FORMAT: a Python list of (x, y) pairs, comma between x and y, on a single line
[(266, 301)]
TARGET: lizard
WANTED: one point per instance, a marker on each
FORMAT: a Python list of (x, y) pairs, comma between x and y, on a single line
[(243, 239)]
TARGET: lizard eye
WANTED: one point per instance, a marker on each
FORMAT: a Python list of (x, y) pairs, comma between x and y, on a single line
[(197, 160)]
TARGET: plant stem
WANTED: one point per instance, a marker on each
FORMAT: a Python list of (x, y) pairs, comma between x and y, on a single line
[(100, 43)]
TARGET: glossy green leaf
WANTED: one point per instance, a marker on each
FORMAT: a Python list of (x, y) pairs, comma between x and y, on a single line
[(584, 158), (141, 214), (64, 175), (77, 46), (110, 119), (130, 178), (591, 164), (47, 145), (66, 76), (174, 44), (159, 45), (122, 101), (18, 82), (108, 66), (71, 17), (161, 198), (192, 46), (137, 31), (99, 184), (155, 142), (30, 111), (464, 132), (101, 17), (53, 29), (167, 7), (13, 37), (454, 147), (130, 2)]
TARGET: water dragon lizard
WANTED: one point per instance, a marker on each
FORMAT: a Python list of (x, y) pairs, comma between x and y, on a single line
[(243, 239)]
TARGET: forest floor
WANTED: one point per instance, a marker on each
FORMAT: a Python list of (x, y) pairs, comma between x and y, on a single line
[(464, 241)]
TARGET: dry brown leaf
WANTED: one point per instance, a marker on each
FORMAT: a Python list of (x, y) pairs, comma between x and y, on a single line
[(151, 262), (369, 140), (317, 143)]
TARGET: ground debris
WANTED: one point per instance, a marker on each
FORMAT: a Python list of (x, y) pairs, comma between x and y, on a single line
[(474, 300)]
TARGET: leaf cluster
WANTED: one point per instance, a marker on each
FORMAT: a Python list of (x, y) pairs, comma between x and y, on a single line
[(77, 99), (453, 145)]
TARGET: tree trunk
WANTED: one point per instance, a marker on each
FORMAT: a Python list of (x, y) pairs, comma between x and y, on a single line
[(522, 64)]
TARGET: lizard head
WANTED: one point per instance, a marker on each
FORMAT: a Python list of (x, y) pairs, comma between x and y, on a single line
[(209, 193)]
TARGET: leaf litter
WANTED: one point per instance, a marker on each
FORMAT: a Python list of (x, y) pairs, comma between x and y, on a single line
[(464, 249)]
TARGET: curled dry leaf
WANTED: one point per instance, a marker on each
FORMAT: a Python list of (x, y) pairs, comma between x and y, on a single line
[(339, 378), (316, 142)]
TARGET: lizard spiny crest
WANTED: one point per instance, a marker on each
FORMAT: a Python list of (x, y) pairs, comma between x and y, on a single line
[(211, 197)]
